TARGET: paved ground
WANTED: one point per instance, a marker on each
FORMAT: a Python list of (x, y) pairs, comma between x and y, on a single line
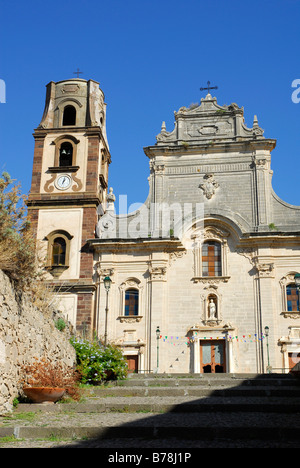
[(173, 444), (245, 418), (41, 423)]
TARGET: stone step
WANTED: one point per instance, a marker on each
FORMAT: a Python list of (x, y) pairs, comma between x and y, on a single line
[(171, 408), (205, 382), (169, 404), (209, 376), (210, 379), (196, 391), (204, 426)]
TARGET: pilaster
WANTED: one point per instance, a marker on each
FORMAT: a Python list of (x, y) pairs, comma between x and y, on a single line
[(158, 267)]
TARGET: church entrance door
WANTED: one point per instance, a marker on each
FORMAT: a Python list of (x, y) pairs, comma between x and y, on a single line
[(212, 356), (132, 361)]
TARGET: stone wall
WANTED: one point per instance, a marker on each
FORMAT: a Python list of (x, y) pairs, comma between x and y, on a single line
[(25, 333)]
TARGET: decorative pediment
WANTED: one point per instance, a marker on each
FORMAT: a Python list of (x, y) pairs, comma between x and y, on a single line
[(211, 232), (208, 122)]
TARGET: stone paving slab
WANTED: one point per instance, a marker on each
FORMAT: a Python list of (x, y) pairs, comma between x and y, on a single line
[(176, 444), (197, 427), (167, 404), (262, 391)]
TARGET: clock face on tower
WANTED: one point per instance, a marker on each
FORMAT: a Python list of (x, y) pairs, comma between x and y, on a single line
[(63, 182)]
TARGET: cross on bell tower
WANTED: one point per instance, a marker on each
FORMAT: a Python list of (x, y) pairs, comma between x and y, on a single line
[(208, 87), (77, 73)]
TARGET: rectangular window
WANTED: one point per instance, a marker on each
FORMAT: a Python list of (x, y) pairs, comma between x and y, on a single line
[(292, 298), (131, 302), (211, 259)]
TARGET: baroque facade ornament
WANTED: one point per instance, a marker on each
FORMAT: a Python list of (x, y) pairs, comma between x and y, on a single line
[(175, 255), (210, 185), (158, 273), (103, 272), (247, 252), (265, 270)]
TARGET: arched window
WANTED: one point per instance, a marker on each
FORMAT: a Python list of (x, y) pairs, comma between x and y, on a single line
[(66, 154), (292, 298), (58, 252), (131, 302), (69, 116), (211, 259)]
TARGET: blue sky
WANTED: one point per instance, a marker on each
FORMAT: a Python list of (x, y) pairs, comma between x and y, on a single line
[(151, 58)]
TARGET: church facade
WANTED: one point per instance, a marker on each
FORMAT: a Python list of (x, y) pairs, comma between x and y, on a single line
[(203, 276)]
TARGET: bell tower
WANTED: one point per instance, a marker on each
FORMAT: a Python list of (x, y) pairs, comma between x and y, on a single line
[(68, 190)]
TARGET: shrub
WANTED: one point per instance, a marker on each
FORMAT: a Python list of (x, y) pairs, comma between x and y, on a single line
[(95, 363), (17, 245), (20, 257)]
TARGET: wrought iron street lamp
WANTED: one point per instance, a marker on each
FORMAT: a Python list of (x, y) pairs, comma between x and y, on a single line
[(107, 283), (267, 336), (157, 347)]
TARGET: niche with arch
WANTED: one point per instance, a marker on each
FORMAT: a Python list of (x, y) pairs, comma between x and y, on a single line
[(65, 153), (211, 303), (69, 116), (58, 252)]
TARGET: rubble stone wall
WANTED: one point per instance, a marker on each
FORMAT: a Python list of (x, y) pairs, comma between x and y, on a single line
[(25, 333)]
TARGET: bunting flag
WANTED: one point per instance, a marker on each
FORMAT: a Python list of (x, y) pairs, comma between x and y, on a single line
[(179, 340)]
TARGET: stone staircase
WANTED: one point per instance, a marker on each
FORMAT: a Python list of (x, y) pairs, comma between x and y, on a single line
[(171, 410)]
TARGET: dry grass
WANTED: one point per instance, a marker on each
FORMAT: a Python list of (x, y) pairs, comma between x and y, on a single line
[(43, 373), (20, 256)]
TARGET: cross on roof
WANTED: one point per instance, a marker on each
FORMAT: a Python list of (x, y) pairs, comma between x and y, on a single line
[(209, 87), (77, 73)]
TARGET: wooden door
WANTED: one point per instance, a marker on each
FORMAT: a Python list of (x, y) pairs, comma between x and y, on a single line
[(294, 362), (212, 356), (132, 361)]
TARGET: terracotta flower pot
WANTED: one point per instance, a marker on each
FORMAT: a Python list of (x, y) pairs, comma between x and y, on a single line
[(43, 394)]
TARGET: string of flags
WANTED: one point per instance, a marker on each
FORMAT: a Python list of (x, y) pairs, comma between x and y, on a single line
[(179, 340)]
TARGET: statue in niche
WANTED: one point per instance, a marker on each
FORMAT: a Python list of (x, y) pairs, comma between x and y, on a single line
[(212, 310)]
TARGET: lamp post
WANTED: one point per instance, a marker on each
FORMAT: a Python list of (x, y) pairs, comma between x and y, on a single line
[(267, 336), (157, 347), (107, 283)]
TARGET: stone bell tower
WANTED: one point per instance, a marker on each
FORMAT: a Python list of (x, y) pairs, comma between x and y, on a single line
[(68, 190)]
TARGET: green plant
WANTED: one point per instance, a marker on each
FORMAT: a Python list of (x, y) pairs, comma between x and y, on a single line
[(60, 324), (272, 227), (15, 402), (97, 363), (7, 439)]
